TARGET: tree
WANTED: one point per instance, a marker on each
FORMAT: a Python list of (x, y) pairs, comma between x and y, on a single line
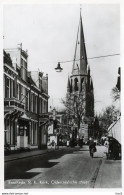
[(96, 127), (108, 116), (115, 94), (75, 105)]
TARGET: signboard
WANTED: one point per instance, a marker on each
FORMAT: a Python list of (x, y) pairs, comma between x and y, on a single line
[(83, 131), (50, 129)]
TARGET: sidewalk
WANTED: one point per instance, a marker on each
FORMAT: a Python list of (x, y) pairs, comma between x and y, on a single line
[(110, 174), (22, 155)]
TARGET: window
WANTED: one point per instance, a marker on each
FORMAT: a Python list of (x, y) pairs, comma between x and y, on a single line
[(11, 88), (23, 69), (14, 89), (76, 84), (82, 80), (22, 93), (19, 92), (40, 106), (7, 87), (32, 102), (36, 104), (27, 99), (34, 133), (43, 106)]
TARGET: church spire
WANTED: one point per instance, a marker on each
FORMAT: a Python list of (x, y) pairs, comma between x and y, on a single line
[(80, 56)]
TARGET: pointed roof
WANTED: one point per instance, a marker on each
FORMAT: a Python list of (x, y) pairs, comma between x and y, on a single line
[(80, 56)]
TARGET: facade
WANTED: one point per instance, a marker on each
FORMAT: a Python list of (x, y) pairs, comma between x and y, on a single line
[(58, 128), (80, 90), (25, 101)]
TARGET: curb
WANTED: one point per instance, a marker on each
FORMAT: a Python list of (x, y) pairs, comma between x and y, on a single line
[(18, 158)]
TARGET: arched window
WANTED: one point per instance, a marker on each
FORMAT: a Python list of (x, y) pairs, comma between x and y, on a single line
[(82, 80), (71, 86), (76, 84)]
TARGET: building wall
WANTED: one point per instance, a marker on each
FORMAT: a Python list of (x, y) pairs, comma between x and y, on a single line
[(23, 100)]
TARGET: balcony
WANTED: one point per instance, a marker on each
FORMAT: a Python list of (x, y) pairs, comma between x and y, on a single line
[(13, 103)]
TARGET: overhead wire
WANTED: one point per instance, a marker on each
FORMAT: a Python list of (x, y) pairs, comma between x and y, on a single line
[(110, 55)]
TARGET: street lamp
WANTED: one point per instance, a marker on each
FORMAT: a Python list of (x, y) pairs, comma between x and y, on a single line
[(58, 68)]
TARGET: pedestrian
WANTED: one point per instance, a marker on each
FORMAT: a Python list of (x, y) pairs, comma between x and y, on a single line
[(92, 146), (106, 144), (67, 143)]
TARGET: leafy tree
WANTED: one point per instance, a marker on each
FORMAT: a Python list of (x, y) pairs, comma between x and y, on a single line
[(108, 116)]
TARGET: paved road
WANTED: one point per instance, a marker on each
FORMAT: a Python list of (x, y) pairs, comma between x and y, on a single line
[(65, 168), (68, 168)]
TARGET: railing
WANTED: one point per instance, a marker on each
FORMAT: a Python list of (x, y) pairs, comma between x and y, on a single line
[(12, 102)]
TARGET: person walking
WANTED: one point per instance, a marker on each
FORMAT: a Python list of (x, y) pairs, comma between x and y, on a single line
[(92, 146), (106, 144)]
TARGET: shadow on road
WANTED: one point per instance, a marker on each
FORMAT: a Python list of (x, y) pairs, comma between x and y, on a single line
[(18, 169)]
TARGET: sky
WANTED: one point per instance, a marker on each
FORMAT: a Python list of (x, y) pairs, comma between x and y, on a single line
[(48, 32)]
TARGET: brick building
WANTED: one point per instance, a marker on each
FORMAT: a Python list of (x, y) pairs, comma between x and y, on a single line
[(25, 102)]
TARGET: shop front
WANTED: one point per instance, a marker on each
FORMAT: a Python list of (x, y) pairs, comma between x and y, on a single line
[(23, 133)]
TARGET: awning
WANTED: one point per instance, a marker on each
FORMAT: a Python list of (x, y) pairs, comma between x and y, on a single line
[(25, 117)]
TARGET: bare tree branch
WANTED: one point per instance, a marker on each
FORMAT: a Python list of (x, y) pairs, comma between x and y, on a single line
[(115, 94)]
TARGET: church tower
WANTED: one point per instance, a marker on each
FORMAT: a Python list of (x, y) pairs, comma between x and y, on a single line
[(80, 82)]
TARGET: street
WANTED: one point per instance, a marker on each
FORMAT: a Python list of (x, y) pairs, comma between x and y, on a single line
[(66, 168)]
